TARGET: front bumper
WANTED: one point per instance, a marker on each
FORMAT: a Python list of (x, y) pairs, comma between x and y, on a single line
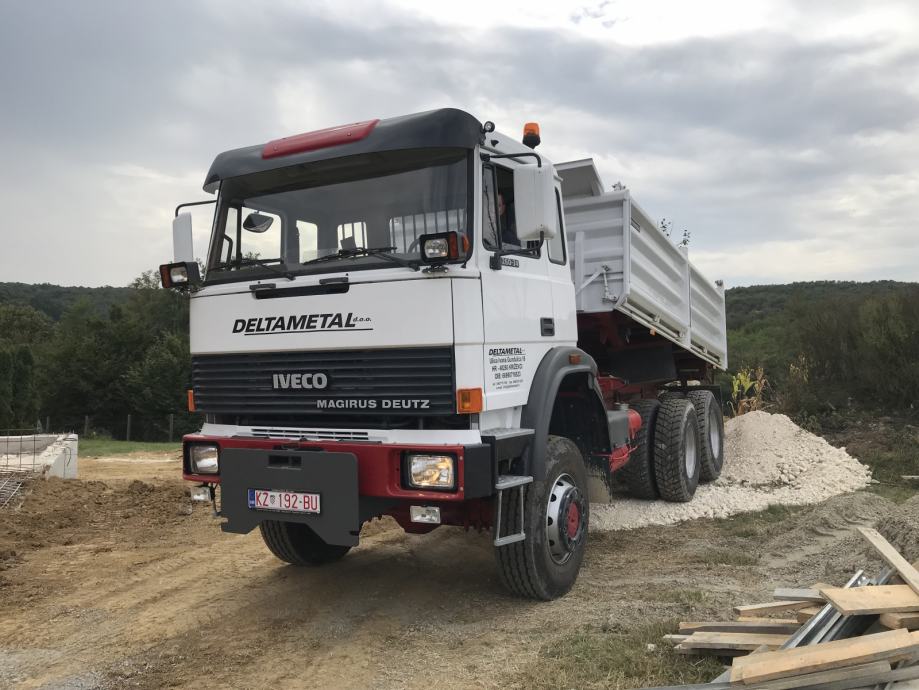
[(356, 481)]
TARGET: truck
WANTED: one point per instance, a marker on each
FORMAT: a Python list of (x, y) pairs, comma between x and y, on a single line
[(422, 318)]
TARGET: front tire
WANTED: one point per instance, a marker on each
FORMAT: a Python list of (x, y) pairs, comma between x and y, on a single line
[(546, 563), (297, 544)]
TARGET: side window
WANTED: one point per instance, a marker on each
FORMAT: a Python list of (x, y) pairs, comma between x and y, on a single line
[(504, 180), (308, 236), (557, 243), (490, 233), (352, 235)]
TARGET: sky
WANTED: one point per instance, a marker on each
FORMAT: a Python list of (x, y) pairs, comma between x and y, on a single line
[(782, 135)]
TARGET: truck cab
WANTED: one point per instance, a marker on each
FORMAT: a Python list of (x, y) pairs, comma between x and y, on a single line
[(387, 325)]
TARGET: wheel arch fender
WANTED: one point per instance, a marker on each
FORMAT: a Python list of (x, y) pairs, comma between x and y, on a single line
[(558, 364)]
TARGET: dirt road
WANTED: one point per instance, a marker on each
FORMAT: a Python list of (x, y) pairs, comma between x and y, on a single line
[(113, 581)]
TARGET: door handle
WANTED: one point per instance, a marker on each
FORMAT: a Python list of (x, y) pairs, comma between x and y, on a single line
[(547, 326)]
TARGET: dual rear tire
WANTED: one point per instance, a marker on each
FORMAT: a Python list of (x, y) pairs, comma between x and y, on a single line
[(679, 444)]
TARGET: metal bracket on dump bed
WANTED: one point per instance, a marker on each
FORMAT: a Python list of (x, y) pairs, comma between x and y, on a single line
[(505, 482)]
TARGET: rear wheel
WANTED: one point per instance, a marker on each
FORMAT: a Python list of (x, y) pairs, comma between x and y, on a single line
[(546, 563), (676, 450), (638, 472), (297, 544), (711, 433)]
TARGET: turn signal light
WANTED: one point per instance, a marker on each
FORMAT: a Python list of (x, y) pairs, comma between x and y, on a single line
[(191, 400), (469, 400)]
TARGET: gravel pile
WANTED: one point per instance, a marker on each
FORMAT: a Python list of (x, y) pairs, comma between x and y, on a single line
[(768, 460)]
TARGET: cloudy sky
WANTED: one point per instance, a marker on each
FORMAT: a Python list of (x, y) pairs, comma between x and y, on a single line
[(783, 135)]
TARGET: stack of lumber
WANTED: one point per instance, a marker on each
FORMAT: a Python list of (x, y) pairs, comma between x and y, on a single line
[(774, 647)]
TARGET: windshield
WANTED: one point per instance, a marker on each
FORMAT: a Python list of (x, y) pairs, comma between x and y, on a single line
[(280, 220)]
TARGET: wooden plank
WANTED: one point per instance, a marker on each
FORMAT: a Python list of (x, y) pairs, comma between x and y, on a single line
[(853, 601), (900, 620), (894, 559), (733, 640), (863, 673), (753, 625), (794, 594), (804, 615), (769, 607), (886, 646), (675, 639)]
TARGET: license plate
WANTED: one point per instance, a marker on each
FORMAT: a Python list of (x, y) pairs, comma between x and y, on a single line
[(283, 501)]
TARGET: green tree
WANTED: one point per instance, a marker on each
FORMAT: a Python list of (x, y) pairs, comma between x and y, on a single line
[(6, 388)]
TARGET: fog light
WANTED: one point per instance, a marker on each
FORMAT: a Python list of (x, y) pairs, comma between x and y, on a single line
[(200, 493), (429, 515), (431, 471), (204, 458)]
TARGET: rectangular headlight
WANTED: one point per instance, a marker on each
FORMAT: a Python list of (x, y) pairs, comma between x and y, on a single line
[(431, 471), (204, 458), (436, 248), (178, 274)]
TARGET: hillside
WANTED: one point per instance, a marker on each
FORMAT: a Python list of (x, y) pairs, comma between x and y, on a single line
[(54, 300)]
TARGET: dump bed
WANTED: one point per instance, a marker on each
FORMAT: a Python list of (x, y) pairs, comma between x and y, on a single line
[(621, 260)]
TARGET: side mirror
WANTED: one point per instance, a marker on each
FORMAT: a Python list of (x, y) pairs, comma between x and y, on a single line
[(181, 238), (534, 202), (256, 222)]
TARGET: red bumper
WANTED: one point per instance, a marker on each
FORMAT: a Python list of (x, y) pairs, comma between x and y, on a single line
[(379, 465)]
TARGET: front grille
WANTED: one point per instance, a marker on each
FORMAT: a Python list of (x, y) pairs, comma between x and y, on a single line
[(311, 434), (404, 381)]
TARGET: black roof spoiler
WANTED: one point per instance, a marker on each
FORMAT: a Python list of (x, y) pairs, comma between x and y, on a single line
[(443, 128)]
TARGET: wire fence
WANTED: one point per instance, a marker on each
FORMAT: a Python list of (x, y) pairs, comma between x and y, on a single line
[(169, 427)]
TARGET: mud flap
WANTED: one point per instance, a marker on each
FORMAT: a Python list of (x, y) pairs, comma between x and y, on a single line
[(331, 475)]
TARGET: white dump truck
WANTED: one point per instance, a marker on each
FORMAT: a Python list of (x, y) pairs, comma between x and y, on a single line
[(419, 317)]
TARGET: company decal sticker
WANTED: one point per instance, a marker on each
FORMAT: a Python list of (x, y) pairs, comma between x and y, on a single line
[(302, 323), (506, 367)]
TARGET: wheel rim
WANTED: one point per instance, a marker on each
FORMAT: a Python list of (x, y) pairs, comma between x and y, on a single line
[(714, 435), (565, 524), (689, 448)]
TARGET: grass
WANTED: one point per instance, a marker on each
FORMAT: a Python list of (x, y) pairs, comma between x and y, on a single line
[(104, 447), (687, 598), (757, 523), (593, 658)]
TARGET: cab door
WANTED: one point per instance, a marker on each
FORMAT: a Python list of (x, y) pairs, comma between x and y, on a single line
[(518, 306)]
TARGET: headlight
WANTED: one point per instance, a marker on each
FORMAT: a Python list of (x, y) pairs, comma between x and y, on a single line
[(440, 247), (436, 248), (431, 471), (204, 458)]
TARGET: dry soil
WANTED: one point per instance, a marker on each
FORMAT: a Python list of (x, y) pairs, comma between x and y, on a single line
[(115, 581)]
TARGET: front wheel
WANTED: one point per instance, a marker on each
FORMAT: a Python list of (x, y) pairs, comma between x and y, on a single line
[(297, 544), (546, 563)]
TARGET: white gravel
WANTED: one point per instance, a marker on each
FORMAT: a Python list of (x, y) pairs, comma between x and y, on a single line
[(768, 460)]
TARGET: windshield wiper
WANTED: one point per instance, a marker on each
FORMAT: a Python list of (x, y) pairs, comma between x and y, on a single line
[(261, 263), (382, 252)]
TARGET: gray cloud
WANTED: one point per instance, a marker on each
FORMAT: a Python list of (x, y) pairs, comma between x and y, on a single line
[(112, 113)]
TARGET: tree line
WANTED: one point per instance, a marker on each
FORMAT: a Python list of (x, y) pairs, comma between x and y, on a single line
[(822, 346), (130, 356), (827, 347)]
